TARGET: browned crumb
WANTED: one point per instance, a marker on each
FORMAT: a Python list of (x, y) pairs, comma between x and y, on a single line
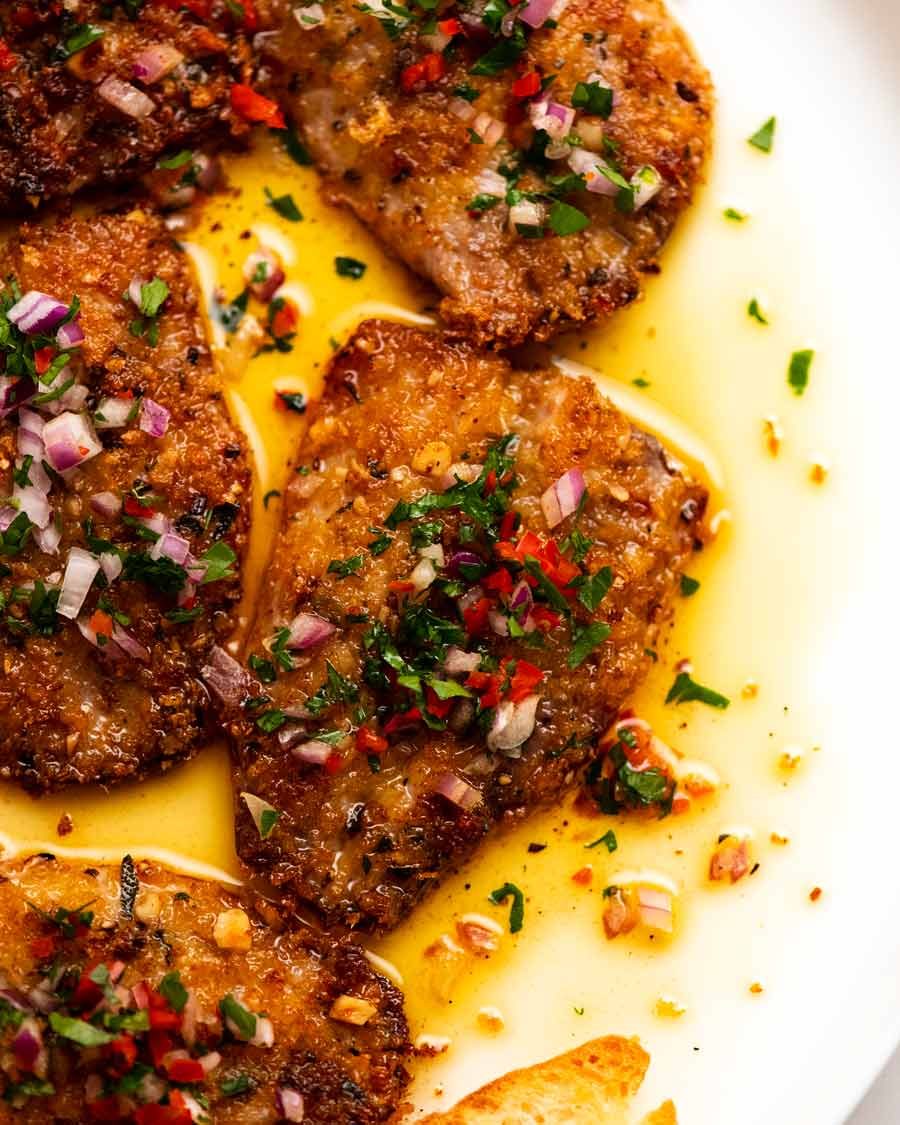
[(815, 894), (773, 434), (65, 826), (756, 988), (818, 472)]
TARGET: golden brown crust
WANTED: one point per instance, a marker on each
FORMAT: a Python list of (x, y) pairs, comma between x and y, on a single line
[(591, 1085), (405, 163), (69, 712), (57, 134), (348, 1075), (364, 847)]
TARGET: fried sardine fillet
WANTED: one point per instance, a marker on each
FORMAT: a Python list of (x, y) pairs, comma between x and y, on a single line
[(95, 93), (530, 161), (473, 563), (149, 997), (128, 504)]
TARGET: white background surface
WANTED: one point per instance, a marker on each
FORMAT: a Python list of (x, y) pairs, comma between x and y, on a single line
[(882, 1104)]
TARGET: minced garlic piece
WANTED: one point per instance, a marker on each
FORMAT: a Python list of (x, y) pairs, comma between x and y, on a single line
[(432, 1044), (232, 930), (352, 1009), (667, 1007), (491, 1019)]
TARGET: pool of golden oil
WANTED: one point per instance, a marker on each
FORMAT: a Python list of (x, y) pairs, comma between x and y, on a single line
[(689, 363)]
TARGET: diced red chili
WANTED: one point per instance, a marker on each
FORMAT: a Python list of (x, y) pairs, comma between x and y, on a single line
[(450, 27), (101, 623), (499, 581), (87, 993), (43, 357), (333, 763), (402, 586), (164, 1021), (255, 108), (43, 947), (125, 1050), (429, 69), (524, 680), (105, 1109), (185, 1070), (487, 686), (544, 618), (490, 482), (134, 507), (285, 319), (160, 1043), (440, 708), (527, 86), (508, 524), (368, 742), (475, 618), (403, 721)]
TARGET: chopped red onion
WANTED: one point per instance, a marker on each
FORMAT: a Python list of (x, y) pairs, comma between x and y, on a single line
[(173, 546), (70, 335), (423, 574), (48, 538), (314, 753), (488, 128), (141, 994), (15, 999), (154, 418), (37, 312), (126, 98), (655, 908), (289, 734), (33, 503), (458, 661), (28, 1043), (307, 630), (263, 274), (30, 421), (73, 399), (526, 213), (135, 286), (563, 497), (15, 392), (521, 597), (155, 62), (536, 12), (128, 644), (29, 444), (225, 677), (463, 471), (7, 515), (458, 791), (210, 1061), (81, 570), (553, 118), (462, 109), (469, 598), (646, 183), (112, 413), (513, 723), (499, 622), (463, 558), (208, 171), (593, 167), (70, 440), (106, 504), (111, 565), (310, 16), (490, 182), (289, 1103)]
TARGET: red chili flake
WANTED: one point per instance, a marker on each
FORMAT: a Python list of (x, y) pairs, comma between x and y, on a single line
[(545, 619), (43, 948), (475, 618), (185, 1070), (527, 86), (429, 69), (163, 1021), (490, 482), (401, 586), (368, 742), (87, 993), (333, 763), (255, 108), (403, 721), (584, 876), (135, 507), (43, 357), (815, 894)]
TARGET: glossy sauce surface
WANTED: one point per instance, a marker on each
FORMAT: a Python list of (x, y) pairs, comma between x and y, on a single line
[(714, 375)]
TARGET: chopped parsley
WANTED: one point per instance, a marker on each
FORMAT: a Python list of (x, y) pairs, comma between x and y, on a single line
[(343, 568), (764, 136), (687, 690), (292, 400), (483, 202), (13, 540), (798, 370), (285, 206), (734, 215), (565, 219), (219, 560), (178, 160), (270, 495), (79, 1031), (336, 689), (517, 910), (161, 574), (608, 840), (594, 588), (584, 640), (689, 586), (83, 36), (270, 721), (349, 267), (502, 55), (294, 147), (236, 1084), (593, 98), (174, 991), (380, 543), (756, 313), (242, 1018), (153, 296), (264, 669)]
